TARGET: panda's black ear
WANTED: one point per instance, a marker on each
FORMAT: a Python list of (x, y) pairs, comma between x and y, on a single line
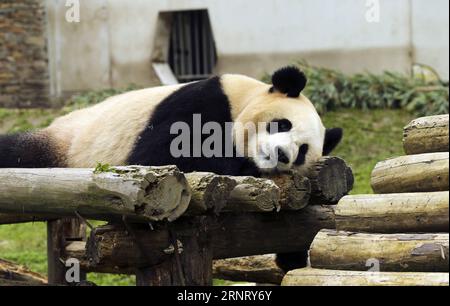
[(289, 80), (332, 138)]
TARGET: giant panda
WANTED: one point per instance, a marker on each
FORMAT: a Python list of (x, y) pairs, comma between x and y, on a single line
[(135, 128)]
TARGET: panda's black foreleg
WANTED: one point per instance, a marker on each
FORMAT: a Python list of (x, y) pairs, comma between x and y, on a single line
[(249, 168), (292, 261)]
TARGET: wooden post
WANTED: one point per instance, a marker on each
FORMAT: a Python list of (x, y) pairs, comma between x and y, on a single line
[(59, 234), (190, 263)]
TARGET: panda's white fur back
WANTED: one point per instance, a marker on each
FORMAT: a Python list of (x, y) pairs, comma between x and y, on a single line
[(107, 132)]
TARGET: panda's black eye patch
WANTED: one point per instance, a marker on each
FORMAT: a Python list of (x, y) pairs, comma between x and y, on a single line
[(279, 126), (304, 149)]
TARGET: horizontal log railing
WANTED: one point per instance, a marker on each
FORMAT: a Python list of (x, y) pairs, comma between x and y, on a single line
[(213, 217), (144, 194)]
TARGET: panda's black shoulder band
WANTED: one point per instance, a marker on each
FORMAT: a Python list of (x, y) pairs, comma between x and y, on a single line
[(289, 80)]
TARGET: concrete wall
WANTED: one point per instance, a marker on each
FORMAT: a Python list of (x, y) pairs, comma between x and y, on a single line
[(113, 43), (430, 30), (24, 77)]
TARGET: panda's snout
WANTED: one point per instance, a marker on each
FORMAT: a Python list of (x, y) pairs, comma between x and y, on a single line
[(282, 156)]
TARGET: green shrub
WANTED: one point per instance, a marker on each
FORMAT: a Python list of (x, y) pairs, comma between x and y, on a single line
[(330, 90)]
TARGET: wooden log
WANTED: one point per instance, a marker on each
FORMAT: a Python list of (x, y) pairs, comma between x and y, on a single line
[(381, 252), (260, 269), (414, 173), (210, 192), (148, 193), (20, 218), (394, 213), (256, 269), (331, 179), (426, 135), (189, 265), (318, 277), (77, 250), (16, 275), (295, 190), (111, 249), (254, 195), (59, 234), (237, 235)]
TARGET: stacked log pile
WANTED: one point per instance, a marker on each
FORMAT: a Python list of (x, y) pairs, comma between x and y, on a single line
[(167, 227), (399, 235)]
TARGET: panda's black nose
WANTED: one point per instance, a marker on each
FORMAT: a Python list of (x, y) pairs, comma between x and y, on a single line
[(282, 157)]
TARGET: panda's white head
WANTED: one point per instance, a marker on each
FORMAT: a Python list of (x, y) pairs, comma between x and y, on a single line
[(289, 133)]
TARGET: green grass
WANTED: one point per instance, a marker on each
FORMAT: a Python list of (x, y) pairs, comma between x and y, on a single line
[(370, 136)]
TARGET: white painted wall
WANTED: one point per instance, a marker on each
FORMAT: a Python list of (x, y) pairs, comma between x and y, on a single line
[(112, 45), (430, 28)]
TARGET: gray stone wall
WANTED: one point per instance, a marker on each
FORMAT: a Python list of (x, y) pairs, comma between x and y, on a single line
[(24, 76)]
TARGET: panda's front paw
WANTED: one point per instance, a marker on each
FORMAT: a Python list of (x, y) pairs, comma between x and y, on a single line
[(292, 261), (250, 169)]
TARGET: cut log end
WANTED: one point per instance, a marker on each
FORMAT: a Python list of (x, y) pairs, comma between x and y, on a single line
[(146, 193), (166, 194), (414, 173), (295, 190), (427, 135), (210, 192), (331, 179), (254, 195)]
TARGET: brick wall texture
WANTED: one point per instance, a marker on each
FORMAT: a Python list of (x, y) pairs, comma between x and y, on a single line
[(24, 76)]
